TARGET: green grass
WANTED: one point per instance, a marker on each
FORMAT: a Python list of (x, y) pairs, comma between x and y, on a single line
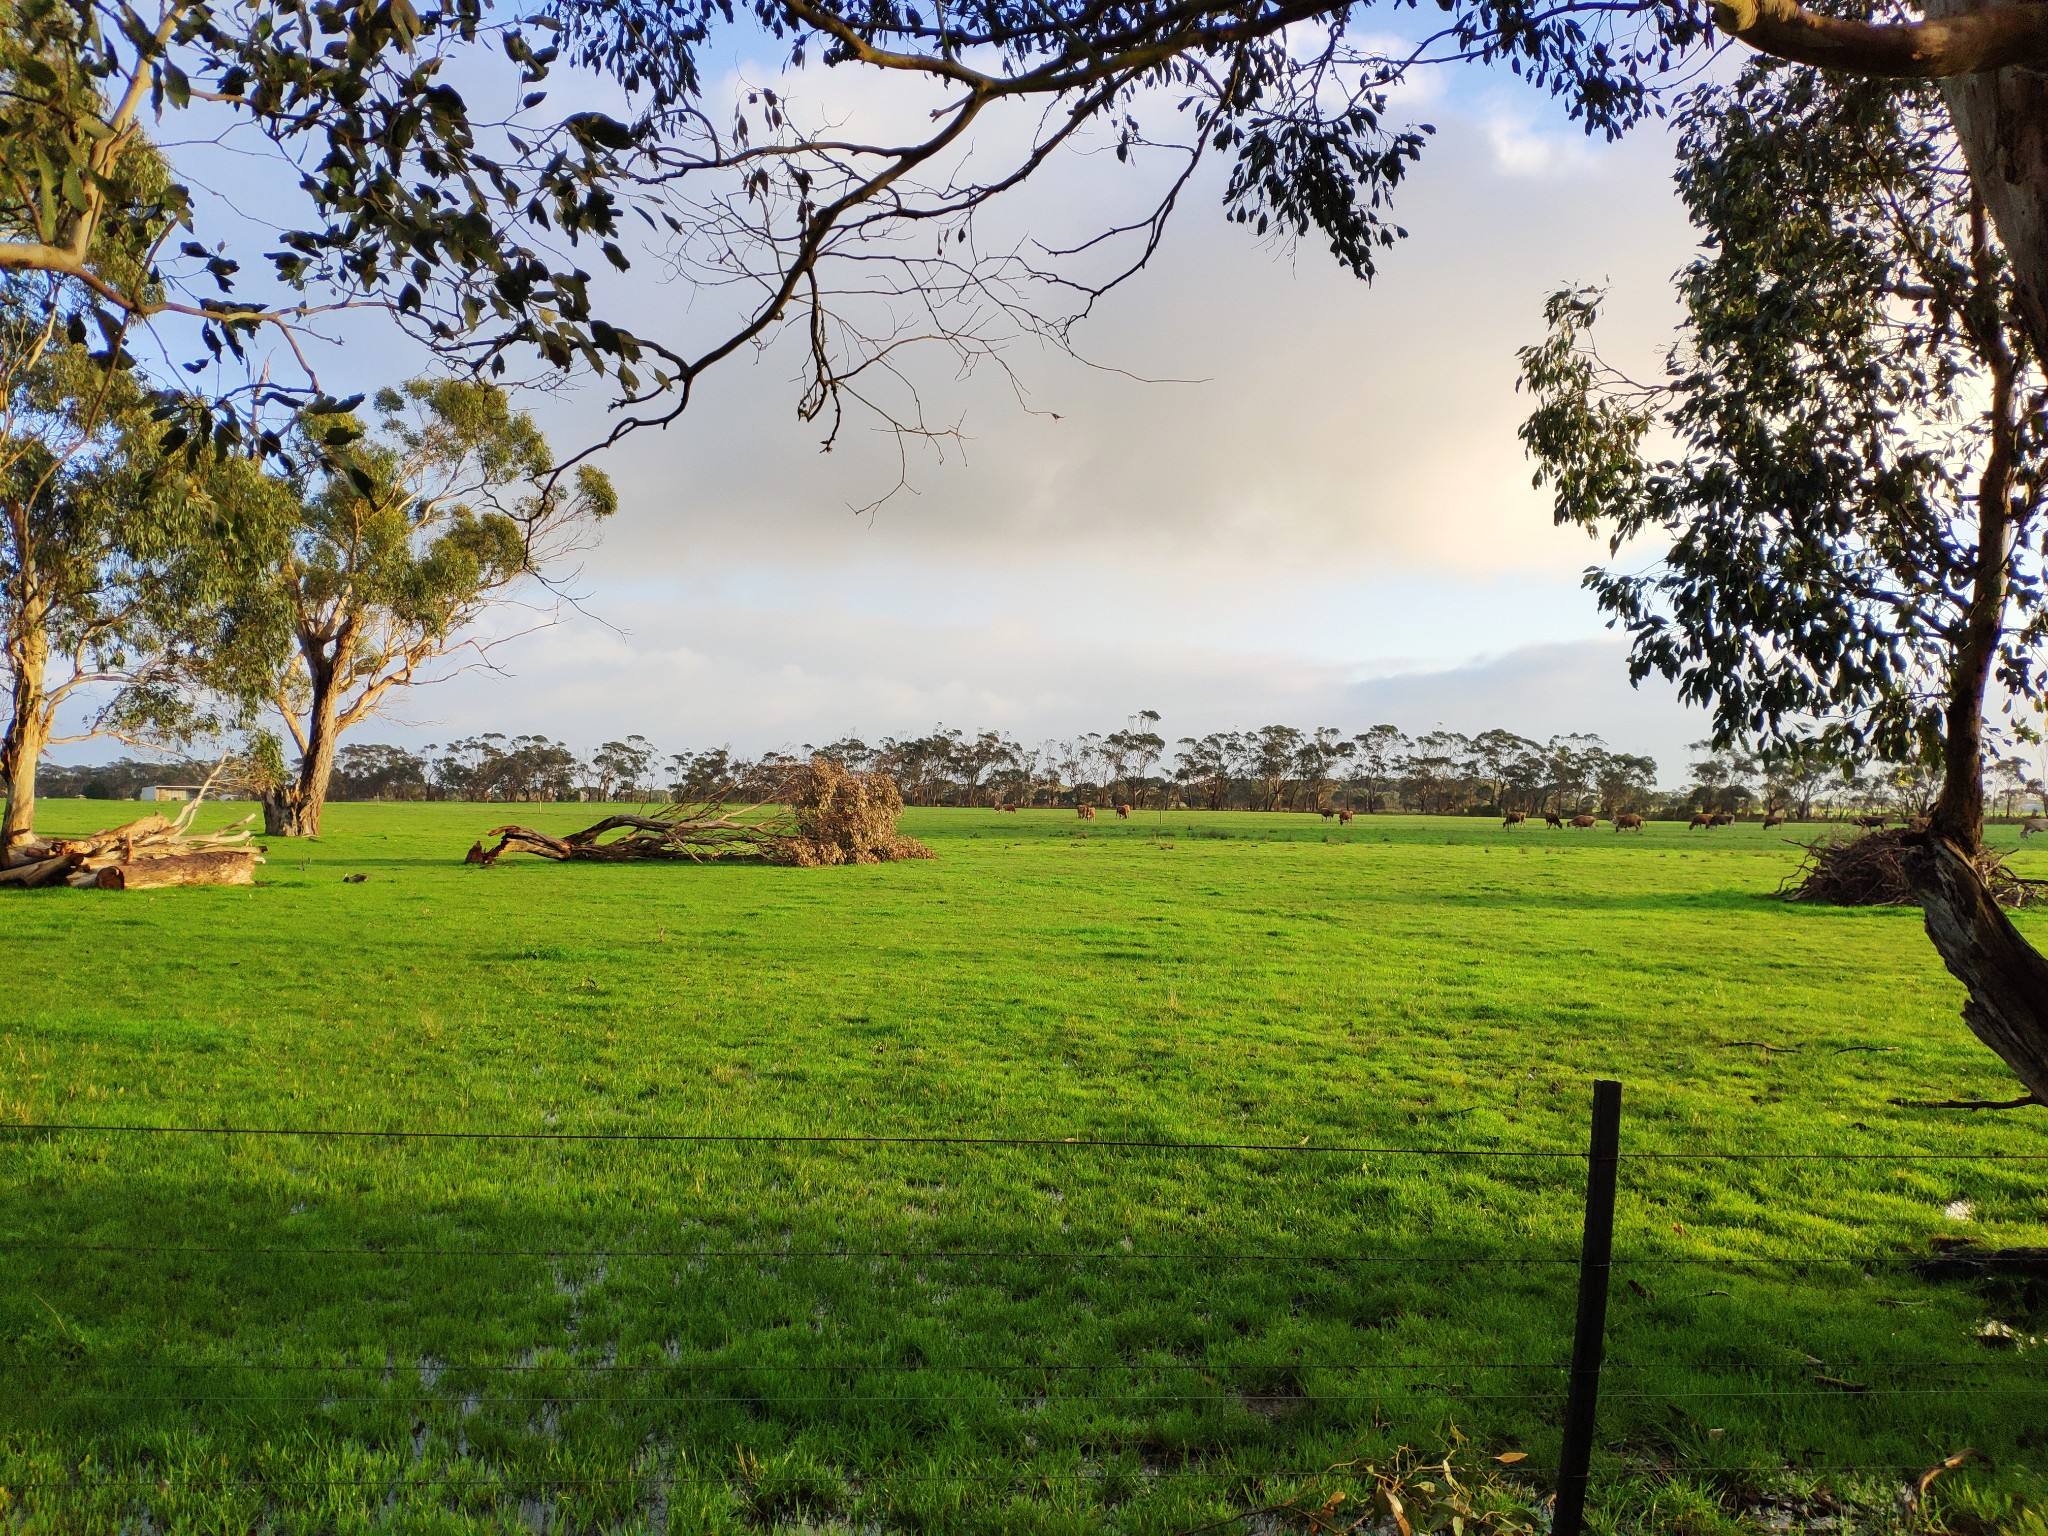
[(240, 1332)]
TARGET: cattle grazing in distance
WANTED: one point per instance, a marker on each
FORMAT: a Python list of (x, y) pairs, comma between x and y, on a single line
[(1583, 821), (1552, 819), (2032, 825), (1344, 817), (1871, 823), (1327, 813), (1628, 821), (1722, 819), (1123, 811), (1774, 819), (1513, 818), (1008, 805), (1702, 819), (1085, 812)]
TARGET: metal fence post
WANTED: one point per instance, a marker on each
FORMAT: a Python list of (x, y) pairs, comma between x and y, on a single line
[(1596, 1258)]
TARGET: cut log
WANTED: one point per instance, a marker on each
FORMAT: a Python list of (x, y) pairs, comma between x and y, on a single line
[(224, 866), (29, 876)]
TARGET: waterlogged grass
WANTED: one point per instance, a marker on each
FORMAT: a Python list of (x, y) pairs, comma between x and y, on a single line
[(238, 1331)]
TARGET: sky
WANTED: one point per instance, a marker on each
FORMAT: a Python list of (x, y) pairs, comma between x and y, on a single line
[(1271, 493)]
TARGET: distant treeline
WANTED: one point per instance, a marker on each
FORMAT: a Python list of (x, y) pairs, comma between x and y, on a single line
[(1274, 768)]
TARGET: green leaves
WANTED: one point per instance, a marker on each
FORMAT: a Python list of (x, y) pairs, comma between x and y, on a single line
[(1799, 498)]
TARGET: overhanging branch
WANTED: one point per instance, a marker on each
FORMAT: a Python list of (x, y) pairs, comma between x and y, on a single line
[(1974, 43)]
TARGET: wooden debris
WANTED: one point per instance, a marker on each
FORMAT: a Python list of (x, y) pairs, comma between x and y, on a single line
[(149, 852), (1873, 871), (827, 815)]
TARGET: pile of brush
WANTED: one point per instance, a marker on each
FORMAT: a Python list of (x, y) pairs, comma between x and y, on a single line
[(1875, 871), (821, 814), (142, 855)]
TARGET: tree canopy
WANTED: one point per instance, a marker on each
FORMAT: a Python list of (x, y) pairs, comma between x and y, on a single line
[(1853, 419), (436, 182), (390, 548)]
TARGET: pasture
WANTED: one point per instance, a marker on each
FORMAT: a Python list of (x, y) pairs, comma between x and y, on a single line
[(380, 1333)]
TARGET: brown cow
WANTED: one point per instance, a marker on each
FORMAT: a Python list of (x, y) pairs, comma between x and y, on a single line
[(1513, 818), (1552, 819), (1008, 805), (1123, 811), (1583, 821), (1085, 812), (1699, 819), (1628, 821), (1774, 819), (1723, 819), (1344, 818), (2032, 825), (1871, 823)]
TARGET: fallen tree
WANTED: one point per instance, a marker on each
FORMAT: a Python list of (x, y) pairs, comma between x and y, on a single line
[(1880, 869), (824, 814), (138, 855)]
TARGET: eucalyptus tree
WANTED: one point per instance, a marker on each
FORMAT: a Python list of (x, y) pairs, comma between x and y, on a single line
[(1843, 465), (112, 555), (400, 540), (1207, 767), (475, 223), (1381, 758), (622, 765)]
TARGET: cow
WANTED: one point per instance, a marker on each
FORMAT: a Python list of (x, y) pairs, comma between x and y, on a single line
[(1085, 812), (1123, 811), (1008, 805), (1344, 817), (1699, 819), (1327, 813), (1774, 819), (1628, 821), (1583, 821), (1552, 819), (2032, 825), (1723, 819), (1871, 823), (1513, 818)]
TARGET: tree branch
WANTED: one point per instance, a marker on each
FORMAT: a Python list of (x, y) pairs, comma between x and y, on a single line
[(1974, 43)]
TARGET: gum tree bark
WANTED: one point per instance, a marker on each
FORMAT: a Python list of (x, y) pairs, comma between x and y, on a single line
[(2002, 118), (2006, 977), (292, 809), (27, 730)]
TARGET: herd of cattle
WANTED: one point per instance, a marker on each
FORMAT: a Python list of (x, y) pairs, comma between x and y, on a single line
[(1627, 821)]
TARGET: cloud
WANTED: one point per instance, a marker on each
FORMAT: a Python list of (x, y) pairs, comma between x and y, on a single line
[(1327, 519)]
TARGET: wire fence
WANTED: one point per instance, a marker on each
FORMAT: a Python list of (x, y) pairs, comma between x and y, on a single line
[(1320, 1366)]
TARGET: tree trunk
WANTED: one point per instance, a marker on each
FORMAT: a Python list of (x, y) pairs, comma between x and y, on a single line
[(2002, 119), (2006, 976), (293, 809), (28, 728)]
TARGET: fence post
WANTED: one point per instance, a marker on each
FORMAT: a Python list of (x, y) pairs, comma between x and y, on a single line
[(1589, 1343)]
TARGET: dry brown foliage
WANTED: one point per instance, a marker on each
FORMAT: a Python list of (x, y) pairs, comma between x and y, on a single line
[(845, 818), (1872, 871), (825, 815)]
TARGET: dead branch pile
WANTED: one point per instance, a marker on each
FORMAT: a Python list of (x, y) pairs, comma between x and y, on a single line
[(142, 855), (826, 815), (1872, 871)]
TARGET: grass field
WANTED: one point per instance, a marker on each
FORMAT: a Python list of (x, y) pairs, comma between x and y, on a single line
[(295, 1333)]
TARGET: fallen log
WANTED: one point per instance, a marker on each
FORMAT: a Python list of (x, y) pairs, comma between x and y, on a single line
[(223, 866), (826, 816)]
